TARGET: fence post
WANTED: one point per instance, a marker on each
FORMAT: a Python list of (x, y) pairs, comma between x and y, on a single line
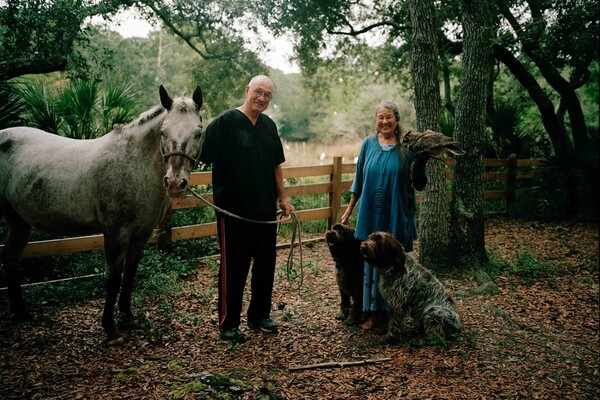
[(511, 184), (335, 197)]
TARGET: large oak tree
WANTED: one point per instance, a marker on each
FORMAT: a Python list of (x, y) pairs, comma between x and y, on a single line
[(39, 36)]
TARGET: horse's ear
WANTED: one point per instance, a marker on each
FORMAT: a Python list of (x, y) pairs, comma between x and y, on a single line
[(165, 99), (197, 96)]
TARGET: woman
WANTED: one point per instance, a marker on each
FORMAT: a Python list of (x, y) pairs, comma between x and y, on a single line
[(387, 174)]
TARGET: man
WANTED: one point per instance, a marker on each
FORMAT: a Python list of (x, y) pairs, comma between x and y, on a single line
[(246, 154)]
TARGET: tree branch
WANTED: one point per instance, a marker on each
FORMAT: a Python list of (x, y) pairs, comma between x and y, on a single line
[(355, 32), (24, 66)]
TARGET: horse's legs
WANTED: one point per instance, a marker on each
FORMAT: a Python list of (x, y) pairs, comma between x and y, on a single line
[(18, 236), (115, 256), (132, 259)]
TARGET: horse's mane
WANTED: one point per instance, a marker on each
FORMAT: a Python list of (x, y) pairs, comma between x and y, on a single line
[(180, 104), (149, 115)]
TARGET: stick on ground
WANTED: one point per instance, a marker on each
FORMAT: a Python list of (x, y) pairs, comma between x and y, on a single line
[(340, 364)]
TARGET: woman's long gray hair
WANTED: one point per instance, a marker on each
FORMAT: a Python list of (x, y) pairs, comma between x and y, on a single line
[(399, 129)]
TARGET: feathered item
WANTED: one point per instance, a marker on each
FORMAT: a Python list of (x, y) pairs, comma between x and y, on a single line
[(430, 141)]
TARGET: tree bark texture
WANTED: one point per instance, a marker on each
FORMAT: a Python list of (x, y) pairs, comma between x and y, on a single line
[(468, 186), (434, 214)]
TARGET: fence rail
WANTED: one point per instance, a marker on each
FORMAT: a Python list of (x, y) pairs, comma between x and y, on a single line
[(334, 187)]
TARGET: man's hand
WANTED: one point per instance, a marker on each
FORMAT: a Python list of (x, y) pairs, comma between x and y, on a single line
[(286, 207)]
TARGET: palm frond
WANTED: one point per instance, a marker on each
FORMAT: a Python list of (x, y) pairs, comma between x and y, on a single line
[(117, 104), (41, 110), (11, 106), (78, 106)]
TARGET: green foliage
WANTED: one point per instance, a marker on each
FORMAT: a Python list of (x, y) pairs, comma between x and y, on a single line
[(447, 123), (63, 266), (568, 190), (76, 105), (574, 34), (80, 110), (41, 106), (11, 106), (527, 266), (224, 81), (117, 104), (506, 138), (295, 119), (40, 36)]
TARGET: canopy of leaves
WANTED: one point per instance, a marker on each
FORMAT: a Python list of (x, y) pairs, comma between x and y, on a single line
[(39, 36)]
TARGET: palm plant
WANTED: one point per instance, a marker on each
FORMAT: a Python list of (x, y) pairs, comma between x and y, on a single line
[(117, 104), (41, 109), (84, 109), (11, 106), (77, 104), (506, 138)]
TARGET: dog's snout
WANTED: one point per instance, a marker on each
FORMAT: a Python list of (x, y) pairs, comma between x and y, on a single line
[(364, 247), (330, 237)]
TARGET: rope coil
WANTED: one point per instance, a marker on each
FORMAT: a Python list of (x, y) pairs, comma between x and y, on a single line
[(296, 231)]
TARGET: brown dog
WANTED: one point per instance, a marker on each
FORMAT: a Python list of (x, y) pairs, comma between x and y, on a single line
[(345, 250), (410, 289)]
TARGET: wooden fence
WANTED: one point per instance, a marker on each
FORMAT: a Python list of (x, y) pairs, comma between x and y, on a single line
[(505, 172)]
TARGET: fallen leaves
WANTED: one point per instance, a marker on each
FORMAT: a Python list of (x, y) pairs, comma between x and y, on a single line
[(532, 339)]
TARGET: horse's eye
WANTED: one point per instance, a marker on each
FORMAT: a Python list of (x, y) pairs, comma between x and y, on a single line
[(198, 134)]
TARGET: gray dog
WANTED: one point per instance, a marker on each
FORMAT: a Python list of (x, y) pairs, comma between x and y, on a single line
[(345, 250), (411, 290)]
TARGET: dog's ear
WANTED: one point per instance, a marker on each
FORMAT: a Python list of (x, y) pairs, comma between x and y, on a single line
[(400, 264), (398, 256)]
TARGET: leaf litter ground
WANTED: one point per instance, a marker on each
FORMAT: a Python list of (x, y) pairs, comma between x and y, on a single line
[(537, 337)]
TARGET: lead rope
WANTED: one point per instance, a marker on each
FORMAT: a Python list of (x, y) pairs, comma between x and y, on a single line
[(290, 261), (290, 272)]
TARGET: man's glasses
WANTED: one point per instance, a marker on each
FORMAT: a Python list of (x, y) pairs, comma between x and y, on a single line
[(266, 95)]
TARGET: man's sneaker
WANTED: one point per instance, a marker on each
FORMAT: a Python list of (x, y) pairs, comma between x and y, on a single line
[(265, 325), (234, 335)]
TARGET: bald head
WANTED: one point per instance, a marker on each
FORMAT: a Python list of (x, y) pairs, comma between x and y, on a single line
[(260, 80)]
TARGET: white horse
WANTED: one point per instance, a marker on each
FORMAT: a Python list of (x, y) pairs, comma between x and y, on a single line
[(118, 185)]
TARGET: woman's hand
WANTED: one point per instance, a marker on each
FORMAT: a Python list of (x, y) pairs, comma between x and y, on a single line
[(345, 218)]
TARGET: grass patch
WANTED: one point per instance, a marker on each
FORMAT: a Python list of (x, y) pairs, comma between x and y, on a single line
[(527, 266)]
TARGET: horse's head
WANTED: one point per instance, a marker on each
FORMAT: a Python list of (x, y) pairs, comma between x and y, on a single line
[(180, 141)]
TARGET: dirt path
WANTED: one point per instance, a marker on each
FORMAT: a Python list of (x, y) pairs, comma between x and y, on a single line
[(537, 338)]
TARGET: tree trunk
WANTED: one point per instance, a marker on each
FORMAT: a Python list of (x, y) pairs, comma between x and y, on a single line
[(434, 215), (467, 235)]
